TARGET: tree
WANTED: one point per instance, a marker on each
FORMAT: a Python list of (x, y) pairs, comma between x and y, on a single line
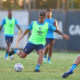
[(77, 4)]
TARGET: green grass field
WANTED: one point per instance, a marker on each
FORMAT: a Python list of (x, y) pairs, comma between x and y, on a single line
[(61, 62)]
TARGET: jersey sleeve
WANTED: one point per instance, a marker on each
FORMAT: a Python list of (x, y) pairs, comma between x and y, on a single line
[(16, 22), (30, 26), (3, 22), (52, 27)]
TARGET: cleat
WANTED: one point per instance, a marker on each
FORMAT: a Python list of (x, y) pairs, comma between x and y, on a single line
[(12, 52), (49, 62), (37, 70), (6, 58), (65, 75), (11, 57), (45, 60)]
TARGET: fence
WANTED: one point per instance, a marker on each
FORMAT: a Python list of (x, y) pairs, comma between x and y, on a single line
[(69, 22)]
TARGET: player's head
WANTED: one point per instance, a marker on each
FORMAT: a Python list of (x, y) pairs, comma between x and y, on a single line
[(42, 16), (48, 13), (9, 13)]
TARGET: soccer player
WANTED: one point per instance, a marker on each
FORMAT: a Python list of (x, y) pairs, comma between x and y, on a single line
[(9, 25), (50, 36), (75, 64), (37, 39)]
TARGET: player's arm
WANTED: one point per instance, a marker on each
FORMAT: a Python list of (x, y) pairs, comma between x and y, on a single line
[(56, 24), (20, 30), (59, 32), (16, 22), (26, 31), (2, 24), (1, 27), (65, 36), (19, 27)]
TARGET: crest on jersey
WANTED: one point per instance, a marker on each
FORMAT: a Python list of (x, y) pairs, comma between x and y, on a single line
[(40, 28)]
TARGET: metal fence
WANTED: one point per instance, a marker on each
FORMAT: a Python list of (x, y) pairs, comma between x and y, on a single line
[(68, 22)]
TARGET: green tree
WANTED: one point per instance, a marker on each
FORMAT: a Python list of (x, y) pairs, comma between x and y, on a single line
[(9, 5), (77, 4), (42, 4)]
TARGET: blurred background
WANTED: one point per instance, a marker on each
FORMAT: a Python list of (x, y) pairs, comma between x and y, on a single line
[(39, 4), (66, 12)]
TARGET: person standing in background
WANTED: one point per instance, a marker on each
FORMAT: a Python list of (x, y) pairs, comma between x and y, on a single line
[(50, 39), (9, 24)]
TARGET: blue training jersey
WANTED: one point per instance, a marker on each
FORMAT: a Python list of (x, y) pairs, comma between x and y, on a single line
[(50, 33)]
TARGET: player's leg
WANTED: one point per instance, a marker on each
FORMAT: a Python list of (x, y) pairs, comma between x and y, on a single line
[(11, 40), (8, 42), (52, 41), (22, 54), (6, 54), (46, 50), (7, 50), (40, 50), (76, 62), (45, 53)]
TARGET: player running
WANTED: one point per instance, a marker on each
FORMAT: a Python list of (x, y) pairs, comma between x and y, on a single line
[(50, 36), (37, 39), (9, 25), (75, 64)]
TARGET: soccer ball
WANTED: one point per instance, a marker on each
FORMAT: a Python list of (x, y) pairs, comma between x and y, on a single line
[(18, 67)]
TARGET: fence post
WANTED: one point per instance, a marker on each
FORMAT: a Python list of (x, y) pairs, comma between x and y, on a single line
[(72, 4), (24, 4), (0, 4), (34, 4), (66, 21), (29, 4)]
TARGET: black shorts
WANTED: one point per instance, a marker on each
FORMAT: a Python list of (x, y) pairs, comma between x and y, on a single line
[(48, 40), (9, 39), (30, 47)]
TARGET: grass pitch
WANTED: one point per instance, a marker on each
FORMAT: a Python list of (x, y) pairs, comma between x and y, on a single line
[(61, 62)]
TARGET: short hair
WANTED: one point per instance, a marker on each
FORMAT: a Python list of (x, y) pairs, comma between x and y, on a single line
[(42, 13), (50, 10)]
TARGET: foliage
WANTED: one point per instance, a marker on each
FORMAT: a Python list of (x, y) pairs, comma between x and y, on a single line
[(42, 4)]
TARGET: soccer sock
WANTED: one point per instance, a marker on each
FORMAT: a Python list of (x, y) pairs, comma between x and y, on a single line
[(49, 58), (6, 54), (73, 67), (16, 50), (37, 67), (45, 56)]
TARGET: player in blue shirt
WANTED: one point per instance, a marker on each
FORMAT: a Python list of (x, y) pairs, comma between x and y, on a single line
[(9, 24), (50, 36)]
